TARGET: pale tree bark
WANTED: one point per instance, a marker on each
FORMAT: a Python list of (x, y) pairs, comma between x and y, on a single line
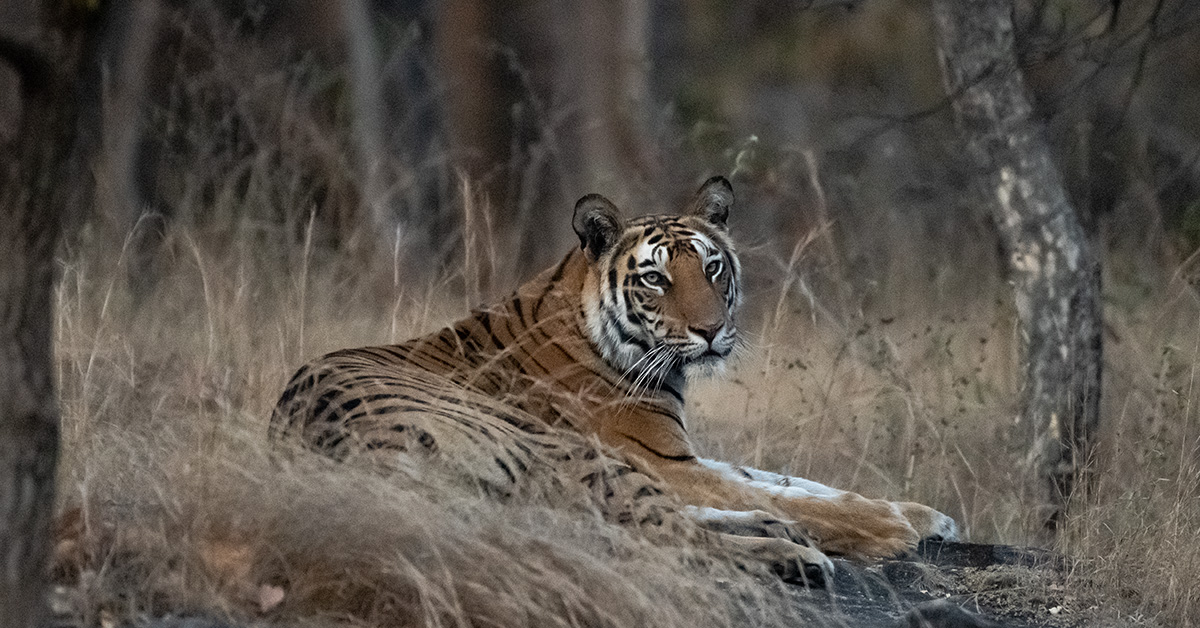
[(1055, 270), (32, 196)]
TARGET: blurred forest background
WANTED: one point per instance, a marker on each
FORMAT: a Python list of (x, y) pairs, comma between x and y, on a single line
[(274, 179), (371, 115)]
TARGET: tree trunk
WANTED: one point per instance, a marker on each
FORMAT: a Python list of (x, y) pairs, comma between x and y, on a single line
[(367, 123), (476, 104), (1055, 271), (602, 71), (114, 83), (32, 195)]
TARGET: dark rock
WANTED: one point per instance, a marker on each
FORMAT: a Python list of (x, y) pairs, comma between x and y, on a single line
[(943, 614), (980, 556)]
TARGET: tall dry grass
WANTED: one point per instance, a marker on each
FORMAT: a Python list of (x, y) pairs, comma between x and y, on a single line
[(165, 397), (176, 505)]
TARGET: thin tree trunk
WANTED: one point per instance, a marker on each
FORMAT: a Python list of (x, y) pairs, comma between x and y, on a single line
[(32, 196), (114, 83), (475, 99), (608, 43), (1054, 268), (118, 77), (366, 77)]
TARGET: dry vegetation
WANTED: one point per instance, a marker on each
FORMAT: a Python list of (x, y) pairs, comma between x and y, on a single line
[(165, 400), (902, 386), (181, 509)]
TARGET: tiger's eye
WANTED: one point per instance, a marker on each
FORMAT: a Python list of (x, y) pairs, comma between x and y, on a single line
[(654, 279), (713, 269)]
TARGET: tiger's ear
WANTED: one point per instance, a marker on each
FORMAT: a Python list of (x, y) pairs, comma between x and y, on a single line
[(597, 222), (714, 200)]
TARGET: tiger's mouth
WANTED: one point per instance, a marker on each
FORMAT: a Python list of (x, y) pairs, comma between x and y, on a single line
[(707, 362), (707, 355)]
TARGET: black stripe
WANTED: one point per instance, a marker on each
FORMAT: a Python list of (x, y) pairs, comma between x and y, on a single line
[(683, 458), (297, 384), (646, 407), (560, 270), (536, 310), (671, 391), (503, 467), (484, 319), (509, 350), (322, 403), (623, 337), (647, 491)]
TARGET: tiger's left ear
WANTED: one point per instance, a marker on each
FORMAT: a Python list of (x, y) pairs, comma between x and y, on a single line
[(714, 200)]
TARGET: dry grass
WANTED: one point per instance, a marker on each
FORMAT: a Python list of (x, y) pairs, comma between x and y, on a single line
[(165, 403), (182, 510)]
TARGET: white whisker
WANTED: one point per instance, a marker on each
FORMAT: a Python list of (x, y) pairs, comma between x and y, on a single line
[(654, 373), (646, 358)]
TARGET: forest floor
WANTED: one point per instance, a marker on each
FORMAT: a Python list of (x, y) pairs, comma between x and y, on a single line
[(958, 584), (941, 585)]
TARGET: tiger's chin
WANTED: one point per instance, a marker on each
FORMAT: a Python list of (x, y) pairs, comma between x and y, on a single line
[(706, 364)]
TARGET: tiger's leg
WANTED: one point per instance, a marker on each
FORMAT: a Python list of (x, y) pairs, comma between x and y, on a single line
[(843, 523), (928, 523), (758, 523)]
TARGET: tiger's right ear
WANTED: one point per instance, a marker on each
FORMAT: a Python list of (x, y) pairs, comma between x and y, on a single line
[(597, 222)]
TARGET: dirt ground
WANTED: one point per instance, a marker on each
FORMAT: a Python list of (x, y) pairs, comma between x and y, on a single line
[(958, 584)]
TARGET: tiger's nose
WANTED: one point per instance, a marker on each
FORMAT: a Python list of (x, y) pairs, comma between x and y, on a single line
[(708, 332)]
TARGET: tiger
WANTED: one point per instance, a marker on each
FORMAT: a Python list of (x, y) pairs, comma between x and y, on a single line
[(596, 349)]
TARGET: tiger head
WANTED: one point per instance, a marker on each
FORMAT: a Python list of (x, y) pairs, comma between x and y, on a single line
[(661, 291)]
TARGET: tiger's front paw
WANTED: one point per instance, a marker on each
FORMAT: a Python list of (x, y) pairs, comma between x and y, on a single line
[(855, 526), (929, 523)]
